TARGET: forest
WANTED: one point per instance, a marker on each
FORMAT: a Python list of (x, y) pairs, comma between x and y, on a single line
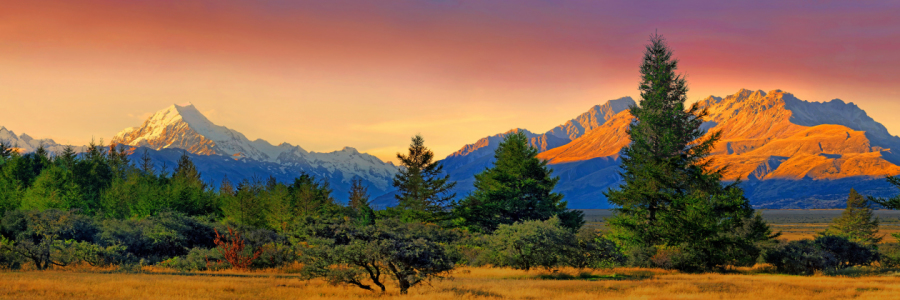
[(673, 212)]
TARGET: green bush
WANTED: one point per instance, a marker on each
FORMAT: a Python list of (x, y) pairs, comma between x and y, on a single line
[(889, 256), (592, 250), (46, 238), (197, 259), (826, 253), (157, 238)]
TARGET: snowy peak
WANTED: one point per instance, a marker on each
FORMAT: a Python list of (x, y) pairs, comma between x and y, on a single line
[(185, 127), (25, 143)]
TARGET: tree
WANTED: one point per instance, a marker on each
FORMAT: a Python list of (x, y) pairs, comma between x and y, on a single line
[(422, 191), (857, 223), (359, 202), (890, 203), (518, 187), (410, 253), (46, 237), (670, 197)]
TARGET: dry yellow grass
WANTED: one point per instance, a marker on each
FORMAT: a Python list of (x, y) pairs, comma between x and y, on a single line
[(467, 283)]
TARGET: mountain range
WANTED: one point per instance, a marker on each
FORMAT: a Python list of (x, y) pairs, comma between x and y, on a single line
[(788, 153)]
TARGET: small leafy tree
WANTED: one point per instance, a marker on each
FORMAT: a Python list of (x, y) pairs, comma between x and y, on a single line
[(46, 237), (232, 248), (423, 190), (534, 243), (410, 253), (519, 187), (857, 223)]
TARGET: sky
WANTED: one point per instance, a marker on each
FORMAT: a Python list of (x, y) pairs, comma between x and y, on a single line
[(371, 74)]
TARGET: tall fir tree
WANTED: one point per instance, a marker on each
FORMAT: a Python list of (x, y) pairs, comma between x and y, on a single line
[(857, 223), (670, 196), (518, 187), (423, 190)]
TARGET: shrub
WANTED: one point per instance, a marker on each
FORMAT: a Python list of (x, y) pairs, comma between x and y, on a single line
[(232, 248), (591, 250), (826, 253), (889, 256), (157, 238), (528, 244), (197, 259)]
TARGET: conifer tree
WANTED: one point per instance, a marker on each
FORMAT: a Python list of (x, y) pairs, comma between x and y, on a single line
[(359, 196), (670, 196), (359, 202), (857, 222), (423, 191), (890, 203), (519, 187)]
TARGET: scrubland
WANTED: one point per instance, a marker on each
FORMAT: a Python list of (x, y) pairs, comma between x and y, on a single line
[(464, 283)]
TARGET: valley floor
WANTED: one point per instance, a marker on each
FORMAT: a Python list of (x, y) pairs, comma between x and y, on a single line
[(466, 283)]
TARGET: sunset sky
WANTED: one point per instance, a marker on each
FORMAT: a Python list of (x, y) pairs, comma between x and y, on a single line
[(370, 74)]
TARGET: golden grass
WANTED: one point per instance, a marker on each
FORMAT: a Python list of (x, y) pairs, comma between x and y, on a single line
[(793, 232), (466, 283)]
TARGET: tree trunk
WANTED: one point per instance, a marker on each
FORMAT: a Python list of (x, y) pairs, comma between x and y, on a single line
[(404, 285)]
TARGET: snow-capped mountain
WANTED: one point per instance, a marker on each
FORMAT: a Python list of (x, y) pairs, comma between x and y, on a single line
[(25, 143), (184, 127)]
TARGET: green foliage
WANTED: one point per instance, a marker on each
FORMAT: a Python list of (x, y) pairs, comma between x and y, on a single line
[(423, 193), (670, 198), (197, 259), (546, 244), (410, 253), (857, 222), (893, 202), (889, 256), (46, 237), (591, 250), (826, 253), (530, 244), (156, 238), (519, 187)]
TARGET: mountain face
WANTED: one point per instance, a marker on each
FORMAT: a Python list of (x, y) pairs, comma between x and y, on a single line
[(25, 143), (473, 158), (787, 152), (184, 127)]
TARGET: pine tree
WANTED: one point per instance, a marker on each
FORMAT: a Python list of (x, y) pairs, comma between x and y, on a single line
[(890, 203), (359, 202), (857, 222), (518, 187), (423, 193), (670, 197), (359, 195)]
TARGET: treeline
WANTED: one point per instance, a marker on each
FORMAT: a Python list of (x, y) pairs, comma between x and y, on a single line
[(100, 208)]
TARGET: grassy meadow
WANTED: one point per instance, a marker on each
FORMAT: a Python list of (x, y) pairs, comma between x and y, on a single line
[(465, 283), (794, 224), (483, 283)]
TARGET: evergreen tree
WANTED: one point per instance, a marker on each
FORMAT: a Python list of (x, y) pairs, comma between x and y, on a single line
[(519, 187), (423, 191), (359, 194), (359, 202), (857, 222), (670, 197), (890, 203)]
